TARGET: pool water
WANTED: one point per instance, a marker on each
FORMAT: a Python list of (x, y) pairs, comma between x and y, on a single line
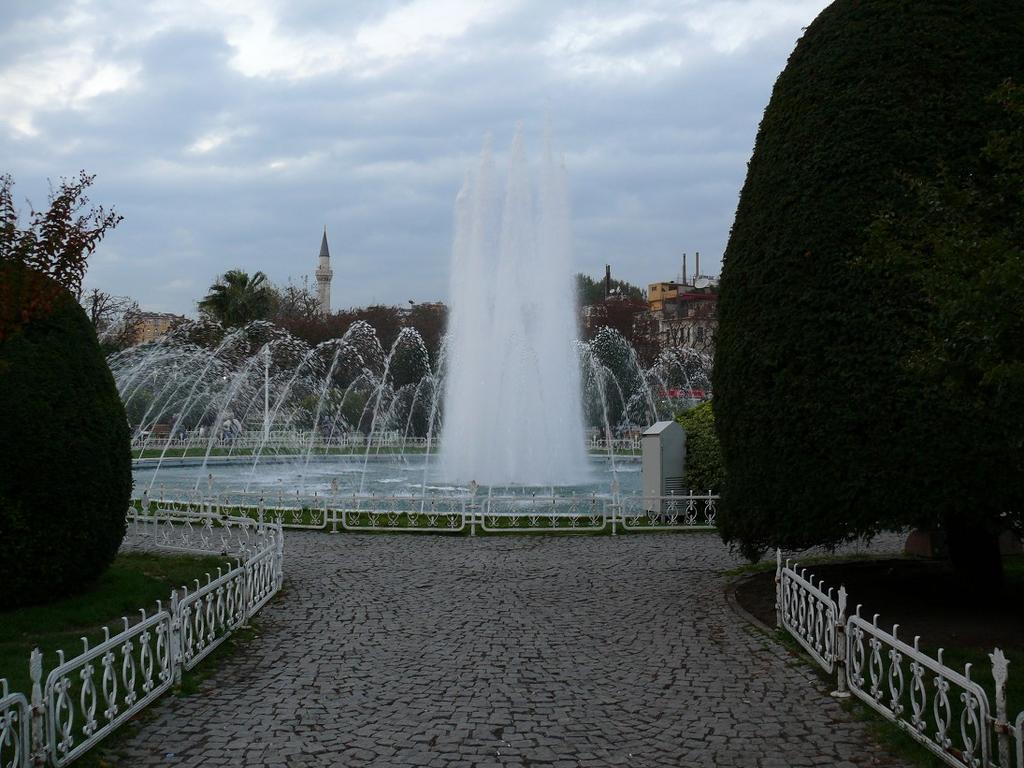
[(412, 475)]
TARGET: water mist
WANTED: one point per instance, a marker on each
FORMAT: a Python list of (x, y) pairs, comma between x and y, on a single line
[(512, 410)]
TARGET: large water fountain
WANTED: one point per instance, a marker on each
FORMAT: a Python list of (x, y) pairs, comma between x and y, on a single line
[(505, 402), (512, 406)]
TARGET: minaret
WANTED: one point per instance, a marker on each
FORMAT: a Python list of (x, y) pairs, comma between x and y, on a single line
[(323, 277)]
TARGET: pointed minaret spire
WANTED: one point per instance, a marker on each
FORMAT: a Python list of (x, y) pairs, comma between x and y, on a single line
[(324, 273), (325, 252)]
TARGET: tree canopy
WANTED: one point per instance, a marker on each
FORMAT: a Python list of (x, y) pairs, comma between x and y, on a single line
[(827, 433), (56, 243), (65, 461), (591, 291), (957, 242), (237, 299)]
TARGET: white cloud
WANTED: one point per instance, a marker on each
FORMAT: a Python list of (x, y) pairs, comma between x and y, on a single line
[(58, 78), (592, 45), (229, 131), (731, 25), (179, 284), (422, 28), (659, 38), (215, 139)]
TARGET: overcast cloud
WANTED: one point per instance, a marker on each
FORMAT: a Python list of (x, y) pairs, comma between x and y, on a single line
[(229, 133)]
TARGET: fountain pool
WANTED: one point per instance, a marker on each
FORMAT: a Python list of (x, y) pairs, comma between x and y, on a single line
[(412, 476), (509, 392)]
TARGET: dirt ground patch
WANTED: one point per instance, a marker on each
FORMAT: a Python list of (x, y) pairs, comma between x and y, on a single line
[(924, 597)]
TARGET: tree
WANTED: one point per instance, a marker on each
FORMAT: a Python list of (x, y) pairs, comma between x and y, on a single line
[(430, 321), (113, 318), (958, 242), (236, 299), (56, 243), (65, 459), (704, 470), (386, 321), (826, 434), (632, 319), (590, 291), (296, 305)]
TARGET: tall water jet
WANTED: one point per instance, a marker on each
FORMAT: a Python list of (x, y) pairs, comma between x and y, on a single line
[(512, 410)]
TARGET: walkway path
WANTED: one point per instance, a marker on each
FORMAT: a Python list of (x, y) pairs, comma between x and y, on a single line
[(549, 651)]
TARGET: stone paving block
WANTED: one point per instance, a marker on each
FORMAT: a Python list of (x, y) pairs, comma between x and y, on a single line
[(547, 651)]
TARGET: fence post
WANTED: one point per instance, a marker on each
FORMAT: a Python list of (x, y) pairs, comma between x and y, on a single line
[(174, 641), (1000, 673), (246, 588), (37, 750), (279, 579), (842, 691), (778, 588)]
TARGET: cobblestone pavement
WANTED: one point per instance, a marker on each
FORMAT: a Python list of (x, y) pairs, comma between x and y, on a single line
[(548, 651)]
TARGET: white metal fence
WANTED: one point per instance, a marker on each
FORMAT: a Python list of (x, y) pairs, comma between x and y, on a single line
[(280, 440), (486, 513), (944, 709), (87, 696)]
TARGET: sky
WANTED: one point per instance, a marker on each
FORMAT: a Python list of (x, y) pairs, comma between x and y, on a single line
[(228, 133)]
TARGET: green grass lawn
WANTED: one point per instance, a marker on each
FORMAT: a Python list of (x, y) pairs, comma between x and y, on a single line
[(133, 581)]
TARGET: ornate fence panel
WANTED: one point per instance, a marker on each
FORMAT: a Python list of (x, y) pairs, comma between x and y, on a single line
[(810, 614), (300, 441), (298, 511), (1018, 736), (312, 517), (291, 510), (88, 696), (264, 575), (206, 616), (549, 514), (189, 520), (944, 710), (15, 728), (195, 524), (443, 514), (669, 513)]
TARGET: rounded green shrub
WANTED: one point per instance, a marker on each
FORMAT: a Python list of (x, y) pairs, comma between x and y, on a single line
[(65, 460), (826, 433), (704, 468)]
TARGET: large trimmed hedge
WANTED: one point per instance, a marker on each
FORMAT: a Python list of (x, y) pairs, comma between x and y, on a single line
[(826, 432), (65, 461), (704, 468)]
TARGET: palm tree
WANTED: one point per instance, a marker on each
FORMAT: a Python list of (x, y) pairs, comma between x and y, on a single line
[(237, 299)]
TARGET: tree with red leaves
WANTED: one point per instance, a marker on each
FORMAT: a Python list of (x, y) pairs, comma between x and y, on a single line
[(55, 243)]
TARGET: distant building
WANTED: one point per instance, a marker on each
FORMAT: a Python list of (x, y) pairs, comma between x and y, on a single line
[(659, 293), (324, 273), (686, 311), (150, 326)]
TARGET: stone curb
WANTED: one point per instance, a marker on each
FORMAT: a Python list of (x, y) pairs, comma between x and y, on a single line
[(730, 597)]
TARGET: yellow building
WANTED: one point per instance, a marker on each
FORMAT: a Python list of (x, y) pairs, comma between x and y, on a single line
[(659, 293), (150, 326)]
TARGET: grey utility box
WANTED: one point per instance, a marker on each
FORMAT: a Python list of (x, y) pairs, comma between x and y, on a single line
[(664, 453)]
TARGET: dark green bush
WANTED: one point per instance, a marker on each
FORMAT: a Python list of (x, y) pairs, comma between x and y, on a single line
[(826, 432), (65, 462), (704, 468)]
